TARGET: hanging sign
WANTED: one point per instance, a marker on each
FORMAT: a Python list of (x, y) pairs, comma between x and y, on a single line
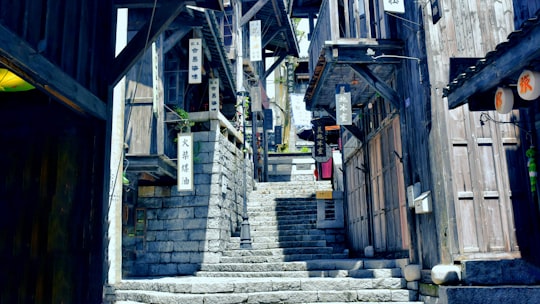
[(529, 85), (268, 119), (155, 79), (504, 100), (436, 12), (255, 49), (394, 6), (213, 94), (185, 162), (195, 61), (320, 143), (278, 138), (290, 76), (256, 103), (343, 104)]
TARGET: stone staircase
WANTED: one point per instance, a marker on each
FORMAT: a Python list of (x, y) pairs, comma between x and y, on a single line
[(291, 261)]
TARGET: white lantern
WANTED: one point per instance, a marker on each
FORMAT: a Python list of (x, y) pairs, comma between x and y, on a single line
[(504, 100), (528, 85)]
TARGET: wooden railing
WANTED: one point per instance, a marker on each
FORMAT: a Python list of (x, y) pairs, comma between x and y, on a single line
[(326, 29)]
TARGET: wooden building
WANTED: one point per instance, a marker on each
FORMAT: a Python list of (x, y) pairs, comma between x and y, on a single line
[(54, 140), (57, 141), (440, 186)]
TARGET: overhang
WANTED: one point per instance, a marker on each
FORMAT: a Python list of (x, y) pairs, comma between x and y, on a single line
[(216, 51), (367, 65), (501, 67), (278, 35)]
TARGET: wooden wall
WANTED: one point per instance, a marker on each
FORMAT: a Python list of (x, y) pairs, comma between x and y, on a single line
[(50, 195), (468, 161), (76, 36)]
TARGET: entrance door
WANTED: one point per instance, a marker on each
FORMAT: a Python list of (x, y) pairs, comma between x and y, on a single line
[(388, 190)]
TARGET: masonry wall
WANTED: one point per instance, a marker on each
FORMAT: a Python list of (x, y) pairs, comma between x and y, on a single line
[(171, 233)]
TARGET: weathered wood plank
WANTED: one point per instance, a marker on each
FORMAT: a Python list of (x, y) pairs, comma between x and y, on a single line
[(17, 55), (164, 16)]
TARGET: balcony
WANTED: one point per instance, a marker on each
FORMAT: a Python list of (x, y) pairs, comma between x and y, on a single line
[(339, 54)]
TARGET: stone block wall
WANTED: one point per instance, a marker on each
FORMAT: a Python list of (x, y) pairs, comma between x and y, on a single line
[(173, 232)]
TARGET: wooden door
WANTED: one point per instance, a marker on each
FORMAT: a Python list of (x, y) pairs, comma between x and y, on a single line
[(388, 190), (482, 151), (358, 221)]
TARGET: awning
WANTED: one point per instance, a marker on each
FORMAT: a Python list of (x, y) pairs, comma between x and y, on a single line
[(501, 67), (366, 64), (215, 46)]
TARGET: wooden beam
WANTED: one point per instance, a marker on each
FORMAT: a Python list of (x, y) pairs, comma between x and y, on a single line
[(379, 85), (252, 12), (275, 65), (175, 38), (164, 15), (514, 58), (22, 59)]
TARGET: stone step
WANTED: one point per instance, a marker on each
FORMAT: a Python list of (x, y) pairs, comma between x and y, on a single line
[(262, 290), (282, 258), (276, 221), (345, 264), (279, 251), (279, 244), (271, 297), (273, 215)]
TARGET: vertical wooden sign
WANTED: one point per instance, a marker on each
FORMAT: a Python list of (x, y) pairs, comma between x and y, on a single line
[(343, 104), (195, 61), (213, 94), (185, 162), (255, 47)]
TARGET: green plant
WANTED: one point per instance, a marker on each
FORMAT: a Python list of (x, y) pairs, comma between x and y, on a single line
[(184, 124)]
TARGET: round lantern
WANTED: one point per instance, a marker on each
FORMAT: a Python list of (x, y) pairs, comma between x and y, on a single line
[(504, 100), (528, 85)]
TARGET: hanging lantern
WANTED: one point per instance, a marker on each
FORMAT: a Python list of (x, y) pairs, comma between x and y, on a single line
[(528, 85), (504, 100), (9, 82)]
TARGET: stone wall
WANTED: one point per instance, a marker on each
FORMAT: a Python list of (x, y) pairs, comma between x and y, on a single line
[(173, 232)]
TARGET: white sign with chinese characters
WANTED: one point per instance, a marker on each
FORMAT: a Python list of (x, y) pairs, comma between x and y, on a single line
[(185, 162), (213, 94), (343, 105), (255, 48), (394, 6), (195, 61)]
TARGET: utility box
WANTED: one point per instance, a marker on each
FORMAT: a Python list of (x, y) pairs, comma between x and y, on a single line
[(422, 204), (413, 191)]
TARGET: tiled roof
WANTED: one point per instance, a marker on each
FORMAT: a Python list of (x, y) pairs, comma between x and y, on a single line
[(513, 40)]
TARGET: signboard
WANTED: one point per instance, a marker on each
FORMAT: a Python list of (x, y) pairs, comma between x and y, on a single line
[(323, 194), (155, 78), (277, 135), (195, 61), (343, 104), (290, 76), (213, 94), (268, 116), (320, 141), (255, 49), (394, 6), (436, 12), (256, 103), (185, 162)]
